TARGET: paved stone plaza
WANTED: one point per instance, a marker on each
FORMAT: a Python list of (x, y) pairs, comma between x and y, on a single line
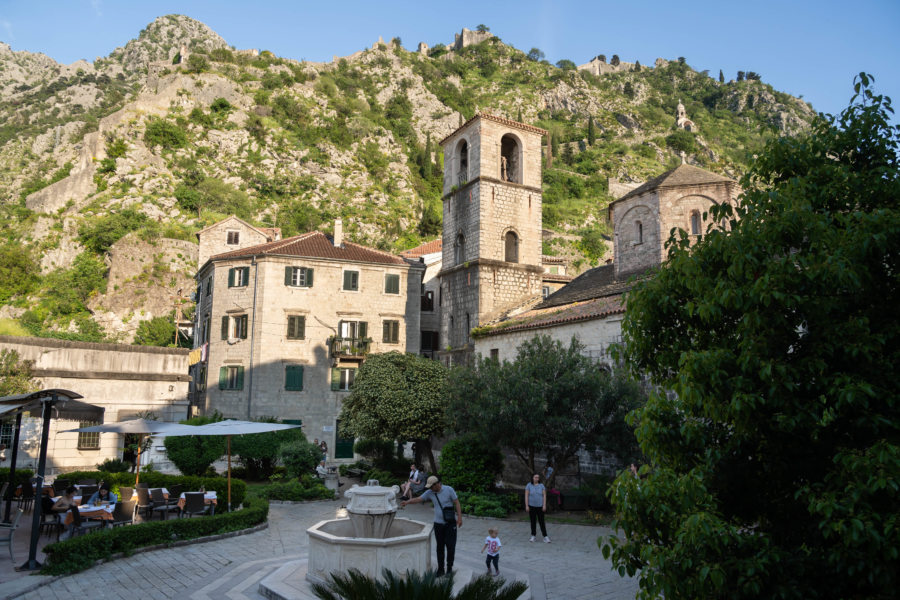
[(570, 568)]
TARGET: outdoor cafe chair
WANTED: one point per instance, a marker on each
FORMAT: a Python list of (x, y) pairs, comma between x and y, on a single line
[(160, 504), (143, 484), (87, 491), (27, 498), (123, 513), (60, 485), (81, 526), (175, 494), (125, 493), (49, 520), (143, 502), (194, 504), (7, 530)]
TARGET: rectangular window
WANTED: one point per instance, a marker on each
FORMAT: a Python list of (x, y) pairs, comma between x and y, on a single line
[(495, 354), (545, 291), (428, 301), (391, 332), (293, 378), (240, 326), (206, 324), (298, 276), (209, 285), (231, 378), (238, 276), (296, 327), (234, 238), (353, 329), (6, 433), (351, 280), (391, 284), (342, 379), (430, 341), (88, 441)]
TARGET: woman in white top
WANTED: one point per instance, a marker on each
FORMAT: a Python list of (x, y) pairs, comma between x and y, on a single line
[(536, 505)]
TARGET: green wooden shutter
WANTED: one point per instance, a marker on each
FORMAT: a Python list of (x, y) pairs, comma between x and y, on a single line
[(244, 328), (335, 380), (225, 327), (239, 384), (293, 378), (386, 331), (290, 322), (309, 277), (231, 277), (347, 280), (363, 330), (223, 377), (287, 275), (246, 277), (301, 328)]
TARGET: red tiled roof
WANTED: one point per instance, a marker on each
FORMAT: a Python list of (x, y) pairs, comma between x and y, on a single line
[(680, 175), (314, 245), (552, 260), (426, 248), (556, 277), (547, 317)]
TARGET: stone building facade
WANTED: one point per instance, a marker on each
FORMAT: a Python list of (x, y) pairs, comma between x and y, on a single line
[(230, 234), (643, 218), (283, 327), (125, 380), (492, 225)]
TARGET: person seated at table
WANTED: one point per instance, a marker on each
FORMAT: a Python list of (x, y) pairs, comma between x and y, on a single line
[(103, 495), (321, 470), (66, 501)]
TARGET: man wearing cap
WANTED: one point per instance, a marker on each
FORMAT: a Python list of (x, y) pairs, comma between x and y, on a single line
[(442, 496)]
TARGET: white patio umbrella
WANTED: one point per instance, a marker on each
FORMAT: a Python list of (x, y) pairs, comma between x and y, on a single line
[(229, 428), (141, 427)]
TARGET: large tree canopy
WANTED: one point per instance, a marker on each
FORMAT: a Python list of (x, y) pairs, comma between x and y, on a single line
[(773, 469), (550, 402), (398, 397), (15, 374)]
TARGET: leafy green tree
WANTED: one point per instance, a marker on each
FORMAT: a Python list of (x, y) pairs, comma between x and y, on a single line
[(591, 134), (552, 401), (99, 233), (753, 76), (740, 75), (774, 451), (354, 585), (398, 397), (164, 133), (197, 63), (721, 76), (565, 64), (259, 452), (299, 457), (637, 66), (470, 463), (19, 271), (193, 454), (535, 54), (614, 61), (482, 28), (158, 331), (682, 140), (628, 90), (15, 374), (601, 58)]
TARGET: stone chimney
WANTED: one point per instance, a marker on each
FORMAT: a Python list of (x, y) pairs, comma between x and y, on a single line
[(338, 233)]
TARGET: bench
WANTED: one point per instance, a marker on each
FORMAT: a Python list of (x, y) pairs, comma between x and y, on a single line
[(358, 473)]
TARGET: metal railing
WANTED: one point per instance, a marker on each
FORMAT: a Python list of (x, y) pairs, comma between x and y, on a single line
[(350, 346)]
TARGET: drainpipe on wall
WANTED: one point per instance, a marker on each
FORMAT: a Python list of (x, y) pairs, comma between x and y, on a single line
[(252, 337)]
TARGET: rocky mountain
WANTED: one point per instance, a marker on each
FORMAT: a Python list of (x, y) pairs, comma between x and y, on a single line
[(107, 169)]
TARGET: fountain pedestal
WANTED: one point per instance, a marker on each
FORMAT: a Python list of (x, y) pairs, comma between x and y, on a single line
[(370, 540)]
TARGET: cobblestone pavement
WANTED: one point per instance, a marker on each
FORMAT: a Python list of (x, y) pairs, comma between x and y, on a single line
[(569, 568)]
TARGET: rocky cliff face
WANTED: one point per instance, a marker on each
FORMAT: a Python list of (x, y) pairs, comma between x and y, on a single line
[(136, 144)]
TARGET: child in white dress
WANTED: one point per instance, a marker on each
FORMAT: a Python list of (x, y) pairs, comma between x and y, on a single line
[(492, 545)]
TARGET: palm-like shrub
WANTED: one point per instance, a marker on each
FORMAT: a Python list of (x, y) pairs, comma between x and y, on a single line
[(415, 586)]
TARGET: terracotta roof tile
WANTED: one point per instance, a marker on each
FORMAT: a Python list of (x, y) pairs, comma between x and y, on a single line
[(426, 248), (556, 277), (314, 245), (547, 317), (497, 119)]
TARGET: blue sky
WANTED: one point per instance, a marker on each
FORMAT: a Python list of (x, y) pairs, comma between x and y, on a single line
[(804, 47)]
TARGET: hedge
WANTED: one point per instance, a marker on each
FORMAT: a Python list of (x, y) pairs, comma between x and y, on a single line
[(80, 553), (295, 491), (22, 475), (191, 483), (488, 504)]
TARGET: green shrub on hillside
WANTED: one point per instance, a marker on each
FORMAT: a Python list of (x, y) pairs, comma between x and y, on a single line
[(19, 271), (99, 233), (164, 133)]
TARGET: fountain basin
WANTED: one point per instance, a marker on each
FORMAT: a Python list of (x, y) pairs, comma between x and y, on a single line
[(334, 549)]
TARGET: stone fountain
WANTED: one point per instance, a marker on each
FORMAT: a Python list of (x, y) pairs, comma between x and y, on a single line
[(370, 539)]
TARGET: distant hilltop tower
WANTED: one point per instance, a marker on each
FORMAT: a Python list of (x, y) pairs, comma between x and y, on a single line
[(681, 119), (492, 226)]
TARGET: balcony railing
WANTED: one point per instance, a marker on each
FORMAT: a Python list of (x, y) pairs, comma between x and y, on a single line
[(350, 347)]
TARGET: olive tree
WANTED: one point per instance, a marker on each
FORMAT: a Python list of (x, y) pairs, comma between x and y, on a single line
[(775, 455), (398, 396)]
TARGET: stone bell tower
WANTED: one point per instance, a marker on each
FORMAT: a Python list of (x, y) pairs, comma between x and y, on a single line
[(492, 225)]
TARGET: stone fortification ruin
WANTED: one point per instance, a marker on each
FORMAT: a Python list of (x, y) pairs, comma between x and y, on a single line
[(469, 38), (599, 66)]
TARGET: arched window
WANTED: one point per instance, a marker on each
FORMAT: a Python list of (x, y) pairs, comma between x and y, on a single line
[(460, 250), (462, 175), (639, 233), (511, 244), (695, 222), (509, 159)]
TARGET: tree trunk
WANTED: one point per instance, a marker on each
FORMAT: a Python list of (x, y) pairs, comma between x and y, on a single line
[(423, 448)]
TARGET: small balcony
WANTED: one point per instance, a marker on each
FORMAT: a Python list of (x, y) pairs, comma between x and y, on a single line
[(350, 347)]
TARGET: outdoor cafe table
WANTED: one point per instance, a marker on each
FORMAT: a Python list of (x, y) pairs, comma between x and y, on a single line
[(208, 498), (100, 513)]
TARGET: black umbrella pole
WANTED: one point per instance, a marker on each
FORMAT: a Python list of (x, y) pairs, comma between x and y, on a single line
[(32, 564)]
